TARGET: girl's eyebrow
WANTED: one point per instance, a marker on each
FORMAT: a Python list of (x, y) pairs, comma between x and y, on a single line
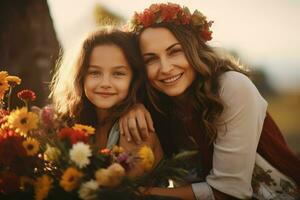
[(115, 67), (167, 49)]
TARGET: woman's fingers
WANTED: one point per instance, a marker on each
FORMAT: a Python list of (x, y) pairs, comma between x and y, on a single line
[(142, 124), (149, 122), (133, 129)]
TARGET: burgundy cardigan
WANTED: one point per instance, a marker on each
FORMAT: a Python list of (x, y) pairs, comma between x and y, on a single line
[(272, 147)]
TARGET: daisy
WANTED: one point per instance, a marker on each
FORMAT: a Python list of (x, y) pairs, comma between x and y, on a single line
[(4, 86), (23, 121), (87, 129), (13, 80), (70, 179), (31, 146)]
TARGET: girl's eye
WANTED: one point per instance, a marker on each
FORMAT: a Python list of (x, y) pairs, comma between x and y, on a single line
[(93, 73), (119, 73)]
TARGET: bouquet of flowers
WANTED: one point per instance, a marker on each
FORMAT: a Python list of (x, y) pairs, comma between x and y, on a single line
[(41, 157)]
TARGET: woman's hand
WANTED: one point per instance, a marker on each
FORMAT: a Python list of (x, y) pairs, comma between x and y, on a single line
[(136, 124)]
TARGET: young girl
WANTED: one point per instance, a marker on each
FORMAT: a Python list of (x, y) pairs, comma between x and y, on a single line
[(98, 84), (212, 106)]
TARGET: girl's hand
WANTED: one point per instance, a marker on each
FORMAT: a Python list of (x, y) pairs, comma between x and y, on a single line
[(136, 124)]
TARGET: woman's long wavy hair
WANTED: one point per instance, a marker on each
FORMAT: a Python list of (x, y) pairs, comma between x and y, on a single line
[(67, 93), (204, 91)]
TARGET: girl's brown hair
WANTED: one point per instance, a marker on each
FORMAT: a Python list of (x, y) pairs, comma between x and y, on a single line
[(209, 65), (67, 92)]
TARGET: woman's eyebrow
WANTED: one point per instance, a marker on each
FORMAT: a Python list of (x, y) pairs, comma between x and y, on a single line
[(167, 49), (171, 46)]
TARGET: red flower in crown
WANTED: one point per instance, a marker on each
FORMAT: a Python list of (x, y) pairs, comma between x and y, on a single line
[(172, 13), (206, 33), (26, 95)]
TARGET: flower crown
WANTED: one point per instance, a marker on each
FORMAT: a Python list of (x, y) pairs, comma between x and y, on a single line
[(171, 13)]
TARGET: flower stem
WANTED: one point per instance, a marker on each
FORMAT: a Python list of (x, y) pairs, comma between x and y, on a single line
[(9, 101)]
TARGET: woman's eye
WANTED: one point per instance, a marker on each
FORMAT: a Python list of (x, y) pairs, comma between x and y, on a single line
[(174, 51), (149, 60)]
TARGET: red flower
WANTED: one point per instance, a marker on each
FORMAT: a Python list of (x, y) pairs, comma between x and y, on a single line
[(9, 183), (74, 136), (170, 12), (26, 95), (146, 18), (11, 148), (206, 34), (105, 151)]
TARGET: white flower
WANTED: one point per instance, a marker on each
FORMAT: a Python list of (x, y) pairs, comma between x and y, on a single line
[(80, 154), (51, 153), (88, 190)]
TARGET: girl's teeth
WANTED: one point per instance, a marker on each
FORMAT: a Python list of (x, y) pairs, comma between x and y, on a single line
[(172, 79)]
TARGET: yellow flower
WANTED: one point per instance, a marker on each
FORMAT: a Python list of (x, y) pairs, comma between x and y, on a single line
[(147, 157), (23, 121), (110, 177), (13, 80), (31, 146), (117, 150), (42, 186), (87, 129), (4, 86), (70, 179)]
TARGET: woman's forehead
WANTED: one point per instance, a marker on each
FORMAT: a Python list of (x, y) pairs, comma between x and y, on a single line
[(156, 38)]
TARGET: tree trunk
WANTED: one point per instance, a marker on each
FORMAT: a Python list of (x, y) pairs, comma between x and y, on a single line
[(28, 45)]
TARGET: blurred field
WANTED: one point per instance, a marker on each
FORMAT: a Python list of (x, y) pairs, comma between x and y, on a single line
[(285, 109)]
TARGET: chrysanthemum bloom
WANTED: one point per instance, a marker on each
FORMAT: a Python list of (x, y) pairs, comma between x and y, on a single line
[(4, 86), (88, 190), (11, 148), (32, 146), (26, 95), (74, 136), (110, 177), (70, 179), (147, 157), (22, 121), (42, 187), (51, 153), (80, 154), (87, 129), (13, 80)]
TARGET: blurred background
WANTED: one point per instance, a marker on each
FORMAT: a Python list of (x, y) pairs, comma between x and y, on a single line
[(264, 35)]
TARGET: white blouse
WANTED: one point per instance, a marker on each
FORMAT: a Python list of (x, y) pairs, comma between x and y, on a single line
[(239, 130), (235, 160)]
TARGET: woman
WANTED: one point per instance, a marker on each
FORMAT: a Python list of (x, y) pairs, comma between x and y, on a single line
[(98, 84), (212, 105)]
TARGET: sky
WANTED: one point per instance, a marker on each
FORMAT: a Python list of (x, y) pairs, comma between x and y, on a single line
[(265, 34)]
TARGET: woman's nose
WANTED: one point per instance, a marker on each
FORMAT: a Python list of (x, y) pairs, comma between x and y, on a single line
[(166, 65)]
